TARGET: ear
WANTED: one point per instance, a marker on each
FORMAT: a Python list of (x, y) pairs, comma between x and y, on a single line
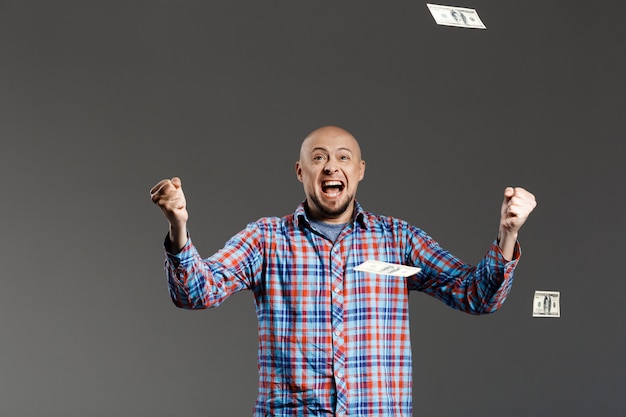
[(362, 170), (298, 171)]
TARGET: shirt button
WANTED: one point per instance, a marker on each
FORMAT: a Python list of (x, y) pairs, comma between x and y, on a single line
[(337, 290), (339, 375), (337, 333)]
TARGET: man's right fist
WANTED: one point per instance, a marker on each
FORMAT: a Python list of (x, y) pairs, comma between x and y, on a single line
[(169, 196)]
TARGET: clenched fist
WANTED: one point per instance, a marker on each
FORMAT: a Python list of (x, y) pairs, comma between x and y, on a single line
[(169, 196), (516, 207)]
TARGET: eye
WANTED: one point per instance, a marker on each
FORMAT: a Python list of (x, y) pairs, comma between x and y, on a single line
[(318, 158), (345, 157)]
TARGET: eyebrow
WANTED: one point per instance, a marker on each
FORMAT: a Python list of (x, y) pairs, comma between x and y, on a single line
[(319, 148)]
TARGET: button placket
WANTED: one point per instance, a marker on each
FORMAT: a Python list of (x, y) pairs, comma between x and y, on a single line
[(337, 273)]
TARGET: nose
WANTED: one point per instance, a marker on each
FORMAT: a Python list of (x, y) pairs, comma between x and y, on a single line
[(330, 168)]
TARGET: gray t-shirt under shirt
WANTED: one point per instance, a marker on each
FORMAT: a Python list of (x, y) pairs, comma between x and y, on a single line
[(331, 231)]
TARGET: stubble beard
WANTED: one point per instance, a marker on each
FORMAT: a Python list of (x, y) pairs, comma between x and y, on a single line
[(331, 212)]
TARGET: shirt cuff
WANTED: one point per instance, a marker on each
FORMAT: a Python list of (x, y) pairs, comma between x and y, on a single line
[(517, 253), (185, 254)]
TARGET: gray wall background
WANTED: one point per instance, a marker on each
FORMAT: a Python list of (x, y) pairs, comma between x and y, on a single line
[(101, 99)]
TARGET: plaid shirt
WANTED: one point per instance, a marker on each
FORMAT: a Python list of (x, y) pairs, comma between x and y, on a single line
[(334, 341)]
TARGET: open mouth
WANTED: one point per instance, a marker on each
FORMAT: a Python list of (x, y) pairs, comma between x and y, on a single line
[(332, 188)]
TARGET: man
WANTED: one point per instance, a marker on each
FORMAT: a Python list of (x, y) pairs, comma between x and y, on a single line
[(334, 341)]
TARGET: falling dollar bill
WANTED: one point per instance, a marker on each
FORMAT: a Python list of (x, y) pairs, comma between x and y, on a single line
[(455, 16), (386, 268), (546, 304)]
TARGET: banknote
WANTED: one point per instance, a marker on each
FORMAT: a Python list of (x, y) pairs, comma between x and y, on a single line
[(386, 268), (455, 16), (547, 304)]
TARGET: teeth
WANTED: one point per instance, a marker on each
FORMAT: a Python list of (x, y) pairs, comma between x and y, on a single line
[(331, 183)]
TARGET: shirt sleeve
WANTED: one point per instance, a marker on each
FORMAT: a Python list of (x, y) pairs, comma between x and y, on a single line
[(478, 289), (196, 283)]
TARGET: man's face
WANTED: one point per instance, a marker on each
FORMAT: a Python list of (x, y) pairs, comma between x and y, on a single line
[(330, 168)]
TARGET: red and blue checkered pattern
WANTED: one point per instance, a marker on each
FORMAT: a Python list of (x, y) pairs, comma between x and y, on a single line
[(332, 340)]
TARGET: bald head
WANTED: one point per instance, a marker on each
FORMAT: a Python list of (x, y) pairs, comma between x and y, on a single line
[(330, 134)]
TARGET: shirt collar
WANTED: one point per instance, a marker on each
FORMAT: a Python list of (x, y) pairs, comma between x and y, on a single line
[(302, 217)]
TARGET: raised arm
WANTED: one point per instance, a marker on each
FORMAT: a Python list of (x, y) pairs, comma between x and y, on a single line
[(169, 196)]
